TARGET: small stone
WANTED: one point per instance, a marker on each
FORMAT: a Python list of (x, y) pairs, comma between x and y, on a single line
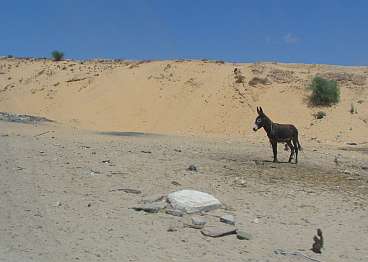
[(57, 204), (172, 229), (228, 219), (151, 207), (192, 168), (198, 221), (175, 183), (174, 212), (242, 235), (154, 198), (218, 231)]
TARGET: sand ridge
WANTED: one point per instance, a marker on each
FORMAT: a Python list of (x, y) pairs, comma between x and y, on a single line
[(183, 97)]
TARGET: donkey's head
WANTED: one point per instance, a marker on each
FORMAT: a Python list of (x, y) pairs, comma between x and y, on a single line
[(260, 120)]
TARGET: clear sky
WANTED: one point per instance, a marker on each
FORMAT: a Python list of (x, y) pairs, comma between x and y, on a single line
[(301, 31)]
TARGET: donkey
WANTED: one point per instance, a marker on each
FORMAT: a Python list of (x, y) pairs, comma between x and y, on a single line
[(278, 133)]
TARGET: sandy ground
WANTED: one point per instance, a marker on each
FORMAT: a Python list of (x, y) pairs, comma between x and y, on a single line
[(57, 203)]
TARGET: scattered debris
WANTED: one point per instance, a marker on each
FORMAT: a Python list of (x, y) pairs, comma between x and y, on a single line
[(336, 160), (154, 198), (318, 242), (76, 79), (175, 183), (151, 207), (192, 168), (26, 119), (218, 231), (57, 204), (108, 161), (127, 190), (198, 222), (228, 219), (242, 235), (287, 253), (172, 229), (191, 201), (95, 173), (174, 212), (146, 152)]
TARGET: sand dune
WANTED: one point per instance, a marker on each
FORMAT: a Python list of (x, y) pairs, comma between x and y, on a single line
[(183, 97)]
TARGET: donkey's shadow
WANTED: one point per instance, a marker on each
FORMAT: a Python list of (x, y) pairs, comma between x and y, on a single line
[(263, 161)]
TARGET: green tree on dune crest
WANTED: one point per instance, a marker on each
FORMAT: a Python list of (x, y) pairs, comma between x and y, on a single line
[(57, 55)]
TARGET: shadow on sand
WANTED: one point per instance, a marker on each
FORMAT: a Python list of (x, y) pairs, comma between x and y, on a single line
[(132, 134)]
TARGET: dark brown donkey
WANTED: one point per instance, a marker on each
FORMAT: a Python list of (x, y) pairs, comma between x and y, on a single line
[(278, 133)]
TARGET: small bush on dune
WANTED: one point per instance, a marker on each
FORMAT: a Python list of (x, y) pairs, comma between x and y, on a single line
[(319, 115), (57, 55), (324, 91)]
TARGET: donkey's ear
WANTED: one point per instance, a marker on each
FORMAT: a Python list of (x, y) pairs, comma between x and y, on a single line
[(257, 110), (260, 110)]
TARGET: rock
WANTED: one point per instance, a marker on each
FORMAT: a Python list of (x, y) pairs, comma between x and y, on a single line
[(154, 198), (127, 190), (228, 219), (198, 221), (242, 235), (192, 168), (191, 201), (57, 204), (151, 207), (218, 231), (352, 144), (174, 212), (172, 229), (175, 183)]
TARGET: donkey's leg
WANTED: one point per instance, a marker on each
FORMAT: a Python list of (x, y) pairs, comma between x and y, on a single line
[(274, 148), (291, 149), (295, 142)]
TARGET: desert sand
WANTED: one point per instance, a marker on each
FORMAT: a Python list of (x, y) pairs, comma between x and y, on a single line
[(58, 192), (183, 97)]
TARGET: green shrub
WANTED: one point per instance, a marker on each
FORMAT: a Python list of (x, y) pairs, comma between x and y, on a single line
[(57, 55), (324, 91)]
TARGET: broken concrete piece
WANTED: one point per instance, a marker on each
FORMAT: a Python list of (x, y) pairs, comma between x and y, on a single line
[(191, 201), (218, 231), (228, 219), (242, 235)]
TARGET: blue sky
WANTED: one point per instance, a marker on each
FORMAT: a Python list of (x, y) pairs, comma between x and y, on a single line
[(301, 31)]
